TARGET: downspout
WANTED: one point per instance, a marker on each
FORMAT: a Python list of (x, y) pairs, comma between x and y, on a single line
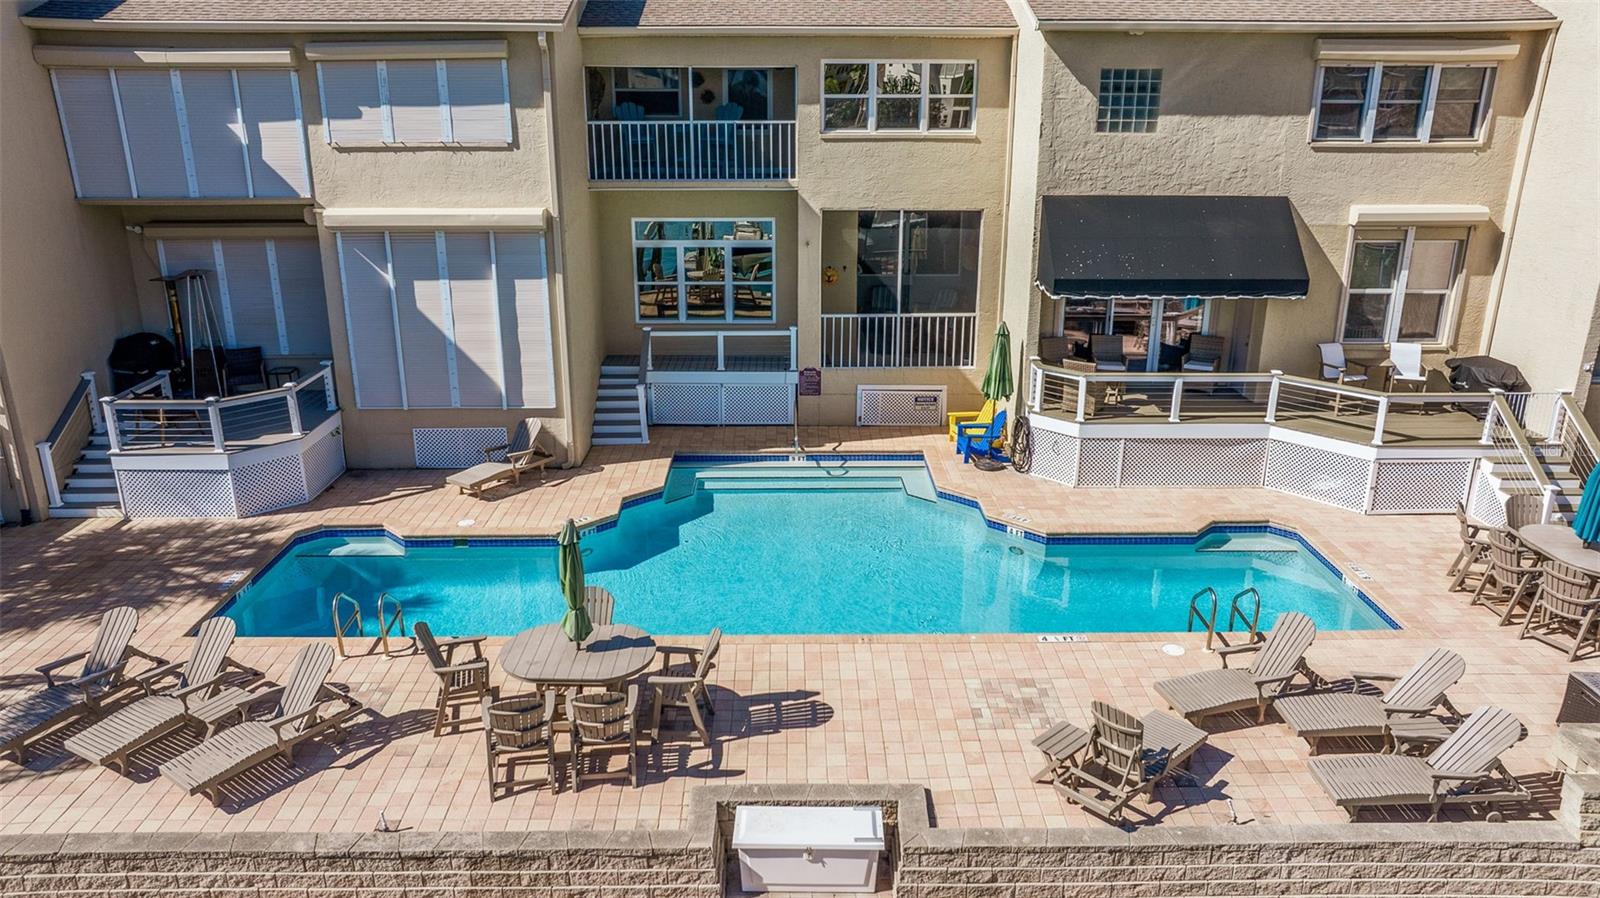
[(1519, 177), (1005, 201), (557, 251)]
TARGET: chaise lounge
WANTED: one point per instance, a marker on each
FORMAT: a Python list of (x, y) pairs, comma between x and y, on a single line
[(102, 679), (1282, 657), (522, 455), (1404, 712)]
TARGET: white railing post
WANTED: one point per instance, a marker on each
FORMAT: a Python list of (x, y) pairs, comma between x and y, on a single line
[(1272, 396), (94, 404), (112, 436), (47, 468), (1487, 438), (1083, 397), (1547, 506), (794, 348), (722, 352), (1177, 400), (1383, 416), (327, 385), (644, 413), (166, 382), (296, 427), (1558, 421), (649, 352), (218, 442), (1038, 385)]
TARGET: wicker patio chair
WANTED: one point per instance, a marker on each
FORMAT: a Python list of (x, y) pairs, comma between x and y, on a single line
[(604, 720), (1567, 600), (1281, 658), (459, 682), (1513, 568), (102, 680), (1126, 757), (519, 729), (684, 688), (1410, 703)]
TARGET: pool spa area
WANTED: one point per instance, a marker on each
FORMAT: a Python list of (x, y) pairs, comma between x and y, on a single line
[(817, 544)]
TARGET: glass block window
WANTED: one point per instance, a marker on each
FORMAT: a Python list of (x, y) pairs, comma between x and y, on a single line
[(1129, 100)]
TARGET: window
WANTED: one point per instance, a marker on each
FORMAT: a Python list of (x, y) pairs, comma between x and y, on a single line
[(447, 319), (898, 96), (1400, 287), (657, 92), (265, 292), (1413, 103), (703, 270), (415, 102), (158, 133), (917, 262), (1129, 100)]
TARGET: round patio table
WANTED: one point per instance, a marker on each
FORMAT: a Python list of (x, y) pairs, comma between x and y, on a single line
[(1558, 543), (546, 657)]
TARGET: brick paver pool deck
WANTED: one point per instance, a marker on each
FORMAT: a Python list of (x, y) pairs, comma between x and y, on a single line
[(955, 713)]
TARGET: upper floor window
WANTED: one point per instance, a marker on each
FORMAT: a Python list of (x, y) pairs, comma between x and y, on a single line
[(1400, 286), (704, 270), (185, 133), (899, 96), (1417, 103), (415, 102), (1129, 100)]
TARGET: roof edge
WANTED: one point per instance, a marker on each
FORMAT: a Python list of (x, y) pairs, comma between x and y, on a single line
[(795, 30), (1543, 24), (241, 26)]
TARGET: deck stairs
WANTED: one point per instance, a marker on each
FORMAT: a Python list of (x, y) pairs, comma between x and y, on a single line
[(91, 488), (619, 413), (1510, 474)]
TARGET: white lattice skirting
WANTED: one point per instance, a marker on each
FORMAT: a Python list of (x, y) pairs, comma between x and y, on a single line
[(713, 404), (277, 480), (455, 447), (1385, 486)]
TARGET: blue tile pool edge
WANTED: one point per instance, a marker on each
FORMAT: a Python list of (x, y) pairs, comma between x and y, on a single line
[(1047, 539)]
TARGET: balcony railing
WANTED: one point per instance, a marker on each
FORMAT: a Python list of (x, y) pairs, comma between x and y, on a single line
[(691, 151), (221, 425), (888, 340), (737, 350)]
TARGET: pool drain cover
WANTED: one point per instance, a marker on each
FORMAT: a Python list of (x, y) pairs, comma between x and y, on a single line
[(1173, 649)]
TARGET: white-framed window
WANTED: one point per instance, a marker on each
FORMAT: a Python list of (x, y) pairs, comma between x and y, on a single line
[(266, 292), (695, 269), (1420, 103), (447, 319), (1400, 287), (415, 102), (910, 96), (656, 92), (182, 133)]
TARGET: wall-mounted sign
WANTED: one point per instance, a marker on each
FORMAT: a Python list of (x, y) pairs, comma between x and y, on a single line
[(810, 382)]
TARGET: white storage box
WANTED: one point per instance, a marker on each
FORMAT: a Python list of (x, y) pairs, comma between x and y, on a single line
[(808, 849)]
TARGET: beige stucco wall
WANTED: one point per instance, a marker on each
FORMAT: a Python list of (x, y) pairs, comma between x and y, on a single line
[(1548, 322), (65, 288), (1235, 116)]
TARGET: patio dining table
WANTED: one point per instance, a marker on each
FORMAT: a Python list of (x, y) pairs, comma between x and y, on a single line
[(1558, 543), (546, 657)]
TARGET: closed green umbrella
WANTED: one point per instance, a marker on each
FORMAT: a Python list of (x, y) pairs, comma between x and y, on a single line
[(569, 566), (997, 383)]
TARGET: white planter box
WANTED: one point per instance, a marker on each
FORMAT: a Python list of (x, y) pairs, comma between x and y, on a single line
[(806, 849)]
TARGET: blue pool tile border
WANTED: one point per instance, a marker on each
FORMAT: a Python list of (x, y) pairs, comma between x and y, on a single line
[(705, 458)]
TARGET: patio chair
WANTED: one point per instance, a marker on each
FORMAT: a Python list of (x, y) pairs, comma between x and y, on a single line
[(522, 454), (1405, 366), (604, 720), (1205, 353), (681, 687), (983, 415), (1464, 769), (981, 439), (1524, 509), (1126, 757), (1410, 703), (1107, 352), (516, 730), (1336, 368), (600, 604), (196, 696), (1472, 560), (1511, 574), (1279, 659), (245, 369), (102, 679), (1568, 600), (466, 681), (297, 716)]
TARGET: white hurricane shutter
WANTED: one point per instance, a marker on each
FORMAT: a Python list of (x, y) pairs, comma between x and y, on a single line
[(300, 286), (215, 134), (479, 112), (477, 333), (424, 327), (275, 134), (353, 110), (414, 101), (94, 140), (151, 120), (369, 316), (255, 318), (525, 320)]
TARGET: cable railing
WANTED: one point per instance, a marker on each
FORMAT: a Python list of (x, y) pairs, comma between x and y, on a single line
[(1505, 432), (134, 423), (1577, 440)]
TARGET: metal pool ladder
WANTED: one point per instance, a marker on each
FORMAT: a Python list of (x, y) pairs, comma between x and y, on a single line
[(346, 613), (1244, 607)]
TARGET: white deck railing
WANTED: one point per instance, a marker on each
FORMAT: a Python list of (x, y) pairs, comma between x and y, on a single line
[(220, 424), (715, 345), (691, 151), (889, 340), (59, 452)]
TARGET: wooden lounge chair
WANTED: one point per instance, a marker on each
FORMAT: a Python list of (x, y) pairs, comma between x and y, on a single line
[(1524, 509), (464, 681), (522, 454), (197, 697), (1409, 703), (1511, 574), (600, 604), (518, 729), (1464, 769), (604, 720), (1568, 600), (684, 688), (299, 715), (1473, 557), (1281, 657), (102, 679), (1126, 757)]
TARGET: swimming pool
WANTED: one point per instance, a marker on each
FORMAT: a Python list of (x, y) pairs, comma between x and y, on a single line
[(829, 545)]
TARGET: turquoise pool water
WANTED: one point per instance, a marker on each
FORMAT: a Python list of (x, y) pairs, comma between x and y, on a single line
[(821, 547)]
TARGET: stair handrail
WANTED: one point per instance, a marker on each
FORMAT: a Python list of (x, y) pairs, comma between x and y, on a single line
[(641, 389), (1506, 421), (1573, 419), (79, 420)]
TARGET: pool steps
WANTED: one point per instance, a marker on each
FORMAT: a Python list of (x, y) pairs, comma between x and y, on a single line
[(914, 480)]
